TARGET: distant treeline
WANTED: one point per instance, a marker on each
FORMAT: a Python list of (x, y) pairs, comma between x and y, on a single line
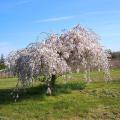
[(115, 55)]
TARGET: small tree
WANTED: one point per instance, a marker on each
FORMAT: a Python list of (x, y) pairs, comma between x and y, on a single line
[(77, 47), (2, 62)]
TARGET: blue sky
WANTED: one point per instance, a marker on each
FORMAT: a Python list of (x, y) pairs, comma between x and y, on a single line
[(22, 21)]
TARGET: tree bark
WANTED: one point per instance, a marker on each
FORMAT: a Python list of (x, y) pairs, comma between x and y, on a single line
[(51, 85), (52, 82)]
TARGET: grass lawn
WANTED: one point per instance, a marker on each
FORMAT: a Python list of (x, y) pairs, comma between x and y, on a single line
[(72, 99)]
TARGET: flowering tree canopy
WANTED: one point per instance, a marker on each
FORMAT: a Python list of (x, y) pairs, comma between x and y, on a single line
[(75, 49)]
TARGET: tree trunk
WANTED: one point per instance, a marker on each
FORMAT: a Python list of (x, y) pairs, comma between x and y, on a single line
[(52, 82), (51, 85)]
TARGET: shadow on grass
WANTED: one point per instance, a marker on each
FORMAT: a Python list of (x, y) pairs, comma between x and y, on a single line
[(39, 92)]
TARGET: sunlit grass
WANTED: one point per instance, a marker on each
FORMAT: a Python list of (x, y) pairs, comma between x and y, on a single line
[(72, 99)]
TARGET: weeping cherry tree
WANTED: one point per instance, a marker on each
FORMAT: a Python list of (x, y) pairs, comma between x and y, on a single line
[(72, 50)]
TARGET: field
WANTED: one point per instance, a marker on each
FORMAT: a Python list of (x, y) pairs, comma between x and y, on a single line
[(72, 99)]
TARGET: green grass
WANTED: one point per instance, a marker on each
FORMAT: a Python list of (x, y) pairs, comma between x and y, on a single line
[(72, 99)]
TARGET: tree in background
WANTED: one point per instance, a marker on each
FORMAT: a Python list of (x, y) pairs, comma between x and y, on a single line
[(116, 55), (2, 62)]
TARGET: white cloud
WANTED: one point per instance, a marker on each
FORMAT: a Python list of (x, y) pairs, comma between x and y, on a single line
[(23, 2), (8, 5), (91, 13), (55, 19), (102, 12)]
